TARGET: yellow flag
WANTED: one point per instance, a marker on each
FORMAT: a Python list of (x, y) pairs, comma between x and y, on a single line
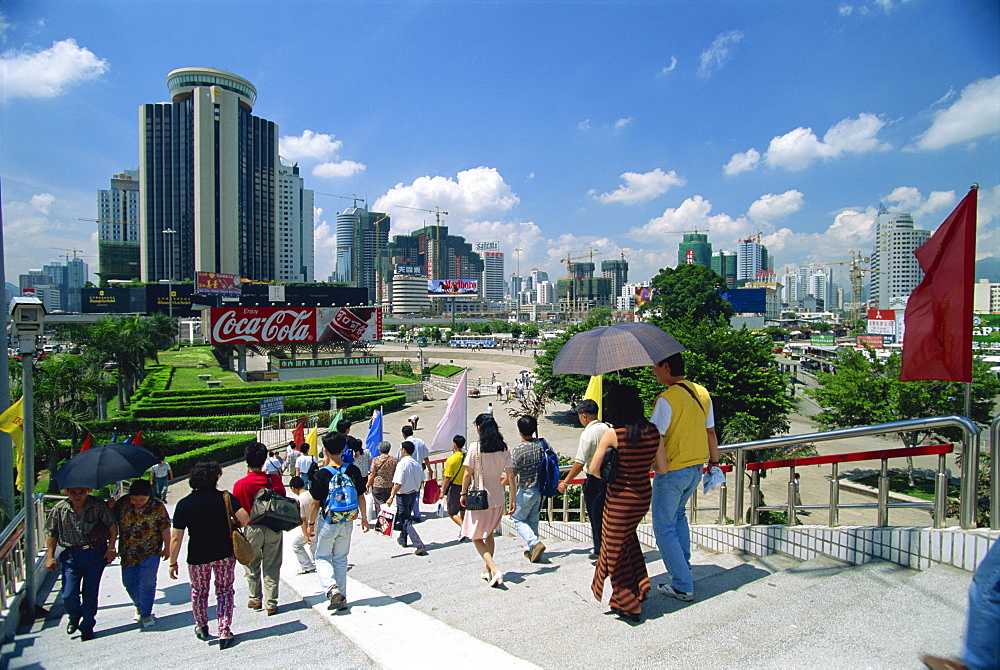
[(12, 422), (311, 440), (595, 392)]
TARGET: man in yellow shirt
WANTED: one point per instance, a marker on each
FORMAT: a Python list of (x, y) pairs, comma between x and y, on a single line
[(684, 416)]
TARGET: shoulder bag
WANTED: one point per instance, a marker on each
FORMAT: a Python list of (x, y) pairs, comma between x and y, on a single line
[(273, 510), (242, 549), (609, 467), (476, 498)]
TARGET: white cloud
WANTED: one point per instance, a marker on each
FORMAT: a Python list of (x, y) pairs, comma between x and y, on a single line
[(692, 214), (338, 169), (975, 114), (845, 10), (670, 68), (641, 187), (719, 53), (584, 125), (324, 246), (741, 162), (49, 72), (4, 27), (797, 149), (43, 202), (621, 123), (775, 206), (36, 229), (531, 175), (317, 146), (467, 197), (908, 198), (988, 232)]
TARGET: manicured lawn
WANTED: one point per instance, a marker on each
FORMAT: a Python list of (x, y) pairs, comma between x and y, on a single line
[(898, 483)]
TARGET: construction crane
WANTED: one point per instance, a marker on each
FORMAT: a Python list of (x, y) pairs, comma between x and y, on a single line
[(436, 212), (77, 253), (678, 232), (434, 261), (856, 273), (345, 197), (572, 294)]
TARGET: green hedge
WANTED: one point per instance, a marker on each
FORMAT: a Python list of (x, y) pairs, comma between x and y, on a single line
[(224, 448), (444, 370), (344, 385), (299, 403)]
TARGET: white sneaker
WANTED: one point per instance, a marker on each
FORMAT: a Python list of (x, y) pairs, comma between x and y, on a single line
[(305, 571), (137, 618), (148, 623), (667, 590)]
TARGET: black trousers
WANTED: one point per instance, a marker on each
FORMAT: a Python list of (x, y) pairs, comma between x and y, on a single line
[(595, 491)]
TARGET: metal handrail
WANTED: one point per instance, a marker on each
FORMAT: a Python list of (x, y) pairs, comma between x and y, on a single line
[(14, 561), (995, 473), (969, 464)]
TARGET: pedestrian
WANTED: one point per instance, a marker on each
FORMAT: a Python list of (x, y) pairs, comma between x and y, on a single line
[(489, 408), (451, 489), (84, 529), (302, 545), (204, 513), (160, 476), (291, 453), (361, 458), (274, 464), (639, 447), (305, 464), (266, 542), (406, 483), (526, 458), (413, 420), (143, 538), (487, 460), (594, 489), (380, 476), (499, 391), (421, 454), (684, 416), (331, 517)]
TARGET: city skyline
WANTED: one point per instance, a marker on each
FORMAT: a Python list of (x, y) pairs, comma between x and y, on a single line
[(617, 126)]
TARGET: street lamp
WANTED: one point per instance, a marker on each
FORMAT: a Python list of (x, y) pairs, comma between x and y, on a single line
[(170, 278)]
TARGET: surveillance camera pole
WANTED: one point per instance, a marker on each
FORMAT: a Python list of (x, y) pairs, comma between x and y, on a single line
[(26, 347)]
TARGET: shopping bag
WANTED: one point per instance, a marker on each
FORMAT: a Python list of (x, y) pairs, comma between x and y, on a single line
[(383, 524), (432, 491)]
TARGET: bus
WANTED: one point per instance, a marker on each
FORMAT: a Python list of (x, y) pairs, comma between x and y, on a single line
[(473, 341)]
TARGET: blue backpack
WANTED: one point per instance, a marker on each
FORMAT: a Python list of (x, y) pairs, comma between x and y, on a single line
[(341, 503), (548, 471)]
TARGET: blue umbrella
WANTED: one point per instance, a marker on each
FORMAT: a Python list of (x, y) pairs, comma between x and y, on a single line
[(105, 464)]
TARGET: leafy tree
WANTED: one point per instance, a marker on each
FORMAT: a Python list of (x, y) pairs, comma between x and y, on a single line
[(687, 296), (776, 333), (601, 314), (515, 330), (866, 390), (531, 330)]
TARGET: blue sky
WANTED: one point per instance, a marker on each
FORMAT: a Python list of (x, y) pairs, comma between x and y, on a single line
[(551, 126)]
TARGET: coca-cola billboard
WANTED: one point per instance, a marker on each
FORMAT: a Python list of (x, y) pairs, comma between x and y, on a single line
[(292, 325)]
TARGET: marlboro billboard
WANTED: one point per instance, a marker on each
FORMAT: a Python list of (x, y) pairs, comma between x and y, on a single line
[(293, 325)]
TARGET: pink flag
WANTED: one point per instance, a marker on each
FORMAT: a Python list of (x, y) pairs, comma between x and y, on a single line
[(455, 419)]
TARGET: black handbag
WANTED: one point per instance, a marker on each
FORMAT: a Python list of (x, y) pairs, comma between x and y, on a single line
[(273, 510), (609, 468), (476, 499)]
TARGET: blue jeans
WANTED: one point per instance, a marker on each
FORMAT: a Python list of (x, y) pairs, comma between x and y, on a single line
[(160, 485), (81, 575), (333, 542), (982, 633), (140, 583), (529, 504), (670, 526)]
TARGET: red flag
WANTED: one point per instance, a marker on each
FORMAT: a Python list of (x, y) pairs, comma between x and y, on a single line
[(299, 433), (86, 444), (138, 438), (938, 320)]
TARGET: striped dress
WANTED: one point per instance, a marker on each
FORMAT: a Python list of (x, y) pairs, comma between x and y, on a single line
[(628, 500)]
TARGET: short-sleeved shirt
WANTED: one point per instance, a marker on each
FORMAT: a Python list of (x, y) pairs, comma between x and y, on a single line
[(487, 470), (71, 530), (304, 462), (160, 470), (305, 502), (409, 475), (246, 488), (454, 468), (420, 450), (319, 489), (589, 439), (203, 515), (273, 464), (140, 530), (526, 458), (384, 466)]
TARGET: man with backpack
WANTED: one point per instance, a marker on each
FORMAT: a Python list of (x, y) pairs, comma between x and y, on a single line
[(266, 542), (337, 500), (528, 459)]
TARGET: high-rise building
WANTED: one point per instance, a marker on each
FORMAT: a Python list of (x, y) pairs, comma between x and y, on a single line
[(432, 252), (538, 276), (752, 260), (295, 226), (895, 270), (790, 293), (118, 228), (208, 180), (362, 237), (545, 292), (695, 249), (617, 272), (724, 265), (56, 285), (491, 286)]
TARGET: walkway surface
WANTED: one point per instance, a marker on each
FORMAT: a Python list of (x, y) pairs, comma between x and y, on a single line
[(409, 610)]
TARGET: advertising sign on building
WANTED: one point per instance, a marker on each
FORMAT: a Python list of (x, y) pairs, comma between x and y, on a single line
[(689, 257), (276, 293), (450, 287), (822, 340), (293, 325), (217, 283), (873, 341), (413, 270), (986, 330), (643, 294), (487, 246), (881, 322)]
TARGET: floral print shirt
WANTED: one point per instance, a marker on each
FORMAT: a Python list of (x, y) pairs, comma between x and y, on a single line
[(140, 530)]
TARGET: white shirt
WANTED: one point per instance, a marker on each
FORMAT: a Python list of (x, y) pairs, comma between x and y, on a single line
[(160, 470), (409, 475), (273, 464), (305, 502), (304, 462), (420, 450), (589, 439), (663, 413)]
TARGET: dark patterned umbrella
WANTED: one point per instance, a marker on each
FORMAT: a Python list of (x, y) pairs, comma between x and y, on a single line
[(104, 464), (615, 347)]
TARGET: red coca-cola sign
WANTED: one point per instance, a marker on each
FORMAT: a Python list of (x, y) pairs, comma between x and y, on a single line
[(263, 324)]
